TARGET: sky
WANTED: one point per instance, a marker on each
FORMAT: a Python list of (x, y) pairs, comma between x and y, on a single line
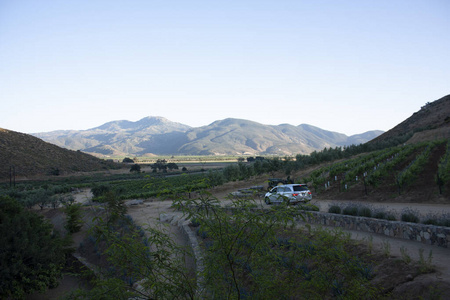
[(347, 66)]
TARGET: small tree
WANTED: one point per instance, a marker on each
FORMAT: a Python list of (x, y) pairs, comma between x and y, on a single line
[(115, 207), (172, 166), (41, 197), (135, 168), (100, 190), (74, 221), (128, 160)]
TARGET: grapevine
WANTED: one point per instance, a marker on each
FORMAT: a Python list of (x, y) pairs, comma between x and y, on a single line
[(443, 176)]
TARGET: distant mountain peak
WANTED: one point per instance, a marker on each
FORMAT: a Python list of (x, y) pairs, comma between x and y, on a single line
[(142, 124), (230, 136)]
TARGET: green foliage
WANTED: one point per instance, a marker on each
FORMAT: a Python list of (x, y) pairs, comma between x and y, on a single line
[(31, 256), (353, 209), (100, 189), (379, 214), (350, 210), (308, 207), (443, 175), (255, 253), (172, 166), (409, 215), (437, 219), (115, 208), (364, 211), (405, 256), (426, 264), (408, 175), (74, 221), (40, 197), (128, 160), (334, 209), (141, 266), (135, 168), (160, 164)]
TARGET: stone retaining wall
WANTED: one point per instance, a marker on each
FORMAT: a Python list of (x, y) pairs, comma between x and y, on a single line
[(427, 234), (190, 235)]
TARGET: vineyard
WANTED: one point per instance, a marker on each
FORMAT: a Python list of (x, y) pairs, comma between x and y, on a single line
[(405, 173), (421, 169)]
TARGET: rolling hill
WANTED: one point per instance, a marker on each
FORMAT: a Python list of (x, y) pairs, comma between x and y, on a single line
[(159, 136), (31, 156), (431, 122)]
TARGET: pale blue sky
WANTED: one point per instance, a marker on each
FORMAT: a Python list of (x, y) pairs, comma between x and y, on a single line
[(345, 66)]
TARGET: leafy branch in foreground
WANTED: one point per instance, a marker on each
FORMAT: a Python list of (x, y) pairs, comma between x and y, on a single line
[(141, 264), (259, 253)]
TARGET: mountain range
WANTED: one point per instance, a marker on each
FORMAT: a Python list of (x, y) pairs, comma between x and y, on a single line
[(25, 155), (160, 136)]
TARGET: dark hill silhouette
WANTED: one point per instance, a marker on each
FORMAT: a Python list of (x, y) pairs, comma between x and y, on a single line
[(431, 122), (31, 156)]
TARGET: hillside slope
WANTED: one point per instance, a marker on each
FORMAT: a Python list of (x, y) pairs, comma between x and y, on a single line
[(431, 122), (31, 156)]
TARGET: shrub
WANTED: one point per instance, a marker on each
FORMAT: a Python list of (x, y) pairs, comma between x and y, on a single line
[(391, 217), (411, 216), (434, 219), (431, 221), (444, 222), (334, 209), (100, 190), (350, 210), (365, 211), (379, 214)]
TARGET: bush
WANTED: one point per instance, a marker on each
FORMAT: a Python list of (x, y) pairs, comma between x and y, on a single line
[(379, 214), (135, 168), (334, 209), (434, 219), (100, 190), (411, 216), (365, 211), (128, 160), (391, 217), (350, 210)]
